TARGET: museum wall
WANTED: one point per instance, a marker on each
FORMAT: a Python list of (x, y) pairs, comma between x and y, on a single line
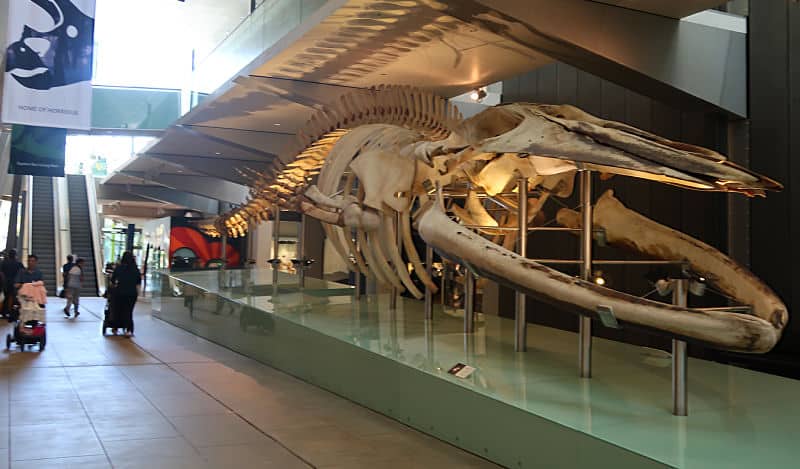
[(775, 150)]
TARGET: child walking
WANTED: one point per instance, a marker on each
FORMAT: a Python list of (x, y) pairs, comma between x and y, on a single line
[(74, 281)]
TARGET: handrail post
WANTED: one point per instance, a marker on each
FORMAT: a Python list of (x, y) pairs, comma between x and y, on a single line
[(585, 322), (520, 320), (680, 402)]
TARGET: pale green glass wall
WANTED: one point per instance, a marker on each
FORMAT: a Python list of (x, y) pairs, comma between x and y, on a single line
[(134, 108)]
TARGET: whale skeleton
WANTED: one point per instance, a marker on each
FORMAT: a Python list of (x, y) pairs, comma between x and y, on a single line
[(375, 156)]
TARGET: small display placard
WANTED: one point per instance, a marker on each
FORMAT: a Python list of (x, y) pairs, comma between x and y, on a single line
[(461, 370)]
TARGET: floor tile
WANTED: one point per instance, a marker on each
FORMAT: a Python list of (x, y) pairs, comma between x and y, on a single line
[(133, 427), (155, 380), (54, 440), (64, 410), (165, 463), (326, 444), (187, 404), (83, 462), (214, 430), (41, 390), (267, 454), (111, 402), (127, 451)]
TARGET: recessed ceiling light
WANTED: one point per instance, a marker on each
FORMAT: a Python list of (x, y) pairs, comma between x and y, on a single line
[(276, 124), (217, 153), (478, 94)]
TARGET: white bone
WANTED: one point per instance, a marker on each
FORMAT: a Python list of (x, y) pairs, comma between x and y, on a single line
[(731, 331), (626, 228)]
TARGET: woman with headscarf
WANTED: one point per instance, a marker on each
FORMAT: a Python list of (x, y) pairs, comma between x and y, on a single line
[(126, 280)]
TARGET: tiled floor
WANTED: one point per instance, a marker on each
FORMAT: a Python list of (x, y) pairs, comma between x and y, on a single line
[(168, 399)]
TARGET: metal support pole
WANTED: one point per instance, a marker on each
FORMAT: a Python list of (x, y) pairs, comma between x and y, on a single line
[(224, 254), (301, 251), (429, 343), (16, 188), (23, 218), (428, 291), (585, 322), (680, 402), (469, 302), (395, 292), (443, 284), (358, 273), (520, 321), (276, 229), (357, 285)]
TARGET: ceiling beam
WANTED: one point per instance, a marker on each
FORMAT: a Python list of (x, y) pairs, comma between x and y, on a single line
[(212, 166), (117, 193), (206, 186), (126, 211), (226, 141), (170, 196)]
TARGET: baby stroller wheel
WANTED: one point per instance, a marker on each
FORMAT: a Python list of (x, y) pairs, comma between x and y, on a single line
[(42, 342), (105, 328), (8, 341)]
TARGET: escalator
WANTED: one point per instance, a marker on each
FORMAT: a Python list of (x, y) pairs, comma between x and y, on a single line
[(80, 232), (43, 242)]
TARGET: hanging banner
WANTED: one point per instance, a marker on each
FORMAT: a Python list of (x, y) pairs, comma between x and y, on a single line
[(37, 151), (48, 72)]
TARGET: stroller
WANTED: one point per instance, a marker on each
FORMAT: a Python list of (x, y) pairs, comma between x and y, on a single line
[(30, 327)]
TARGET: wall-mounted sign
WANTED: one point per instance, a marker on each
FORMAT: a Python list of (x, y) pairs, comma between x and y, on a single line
[(37, 151), (48, 70)]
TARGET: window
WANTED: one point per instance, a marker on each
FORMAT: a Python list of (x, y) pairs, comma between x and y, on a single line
[(100, 155), (149, 43)]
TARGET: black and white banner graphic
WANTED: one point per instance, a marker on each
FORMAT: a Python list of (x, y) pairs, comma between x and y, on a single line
[(48, 67)]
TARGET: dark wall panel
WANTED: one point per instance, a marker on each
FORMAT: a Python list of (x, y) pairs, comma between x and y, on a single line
[(793, 54), (775, 147)]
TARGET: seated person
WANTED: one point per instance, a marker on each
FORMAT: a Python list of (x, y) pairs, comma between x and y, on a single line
[(30, 274)]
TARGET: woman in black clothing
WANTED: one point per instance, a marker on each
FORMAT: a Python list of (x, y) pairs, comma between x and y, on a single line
[(126, 279)]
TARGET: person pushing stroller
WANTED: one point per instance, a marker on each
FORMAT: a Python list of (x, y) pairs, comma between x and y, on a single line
[(122, 294), (30, 327)]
